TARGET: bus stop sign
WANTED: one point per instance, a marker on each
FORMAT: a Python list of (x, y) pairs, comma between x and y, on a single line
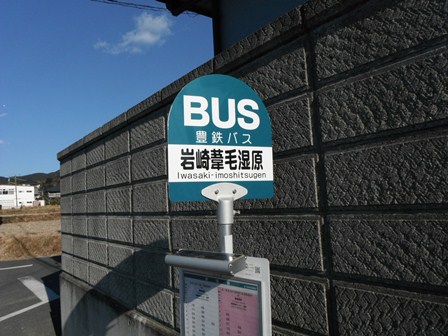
[(219, 131)]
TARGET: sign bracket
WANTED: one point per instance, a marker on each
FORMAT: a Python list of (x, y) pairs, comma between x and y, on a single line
[(225, 194)]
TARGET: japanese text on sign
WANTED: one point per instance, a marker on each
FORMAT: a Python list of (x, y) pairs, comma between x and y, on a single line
[(217, 159), (217, 307), (223, 163)]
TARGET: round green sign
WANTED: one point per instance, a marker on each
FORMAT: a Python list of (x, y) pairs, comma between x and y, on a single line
[(218, 131)]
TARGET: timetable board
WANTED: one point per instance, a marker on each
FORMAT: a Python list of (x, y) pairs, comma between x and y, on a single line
[(218, 305)]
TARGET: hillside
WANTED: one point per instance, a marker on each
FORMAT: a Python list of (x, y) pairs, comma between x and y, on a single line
[(47, 181)]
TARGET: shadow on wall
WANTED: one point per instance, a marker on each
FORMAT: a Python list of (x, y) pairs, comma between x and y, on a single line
[(97, 311), (51, 281)]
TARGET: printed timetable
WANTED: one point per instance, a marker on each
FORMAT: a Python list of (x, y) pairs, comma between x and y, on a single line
[(220, 307)]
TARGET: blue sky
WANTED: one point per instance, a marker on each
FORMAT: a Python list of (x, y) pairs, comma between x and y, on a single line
[(68, 67)]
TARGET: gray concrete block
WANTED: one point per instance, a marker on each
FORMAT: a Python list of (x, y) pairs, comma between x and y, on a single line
[(79, 204), (67, 263), (92, 136), (356, 38), (121, 258), (73, 150), (119, 229), (299, 303), (367, 312), (97, 227), (292, 242), (172, 89), (149, 163), (67, 244), (150, 267), (96, 201), (65, 168), (281, 71), (79, 225), (80, 269), (95, 178), (117, 144), (176, 277), (117, 171), (66, 185), (411, 172), (277, 331), (177, 312), (66, 204), (115, 123), (78, 161), (245, 49), (415, 92), (195, 234), (316, 12), (148, 130), (98, 252), (150, 197), (118, 200), (151, 233), (155, 302), (193, 206), (80, 247), (377, 31), (79, 181), (95, 154), (404, 248), (291, 125), (98, 277), (66, 224), (121, 288), (62, 155), (294, 186), (145, 106), (84, 312)]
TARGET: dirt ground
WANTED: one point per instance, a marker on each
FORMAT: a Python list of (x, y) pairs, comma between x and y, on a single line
[(32, 214), (31, 228), (28, 239)]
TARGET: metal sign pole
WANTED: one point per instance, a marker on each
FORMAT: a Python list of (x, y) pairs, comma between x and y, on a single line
[(225, 194), (225, 214)]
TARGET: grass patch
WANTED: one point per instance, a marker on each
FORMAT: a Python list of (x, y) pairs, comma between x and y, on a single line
[(31, 210), (30, 214), (29, 246), (30, 232), (23, 218)]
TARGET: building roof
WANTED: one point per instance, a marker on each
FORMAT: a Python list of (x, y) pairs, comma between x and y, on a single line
[(176, 7), (55, 189)]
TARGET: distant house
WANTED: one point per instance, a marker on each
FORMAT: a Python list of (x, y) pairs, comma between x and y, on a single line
[(54, 192), (12, 196)]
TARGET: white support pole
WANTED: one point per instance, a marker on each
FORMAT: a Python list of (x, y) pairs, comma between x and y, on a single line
[(225, 194), (225, 214)]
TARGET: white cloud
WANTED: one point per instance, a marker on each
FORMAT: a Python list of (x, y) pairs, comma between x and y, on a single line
[(2, 142), (3, 114), (149, 30)]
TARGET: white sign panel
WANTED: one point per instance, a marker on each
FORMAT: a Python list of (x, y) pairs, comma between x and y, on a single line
[(214, 305)]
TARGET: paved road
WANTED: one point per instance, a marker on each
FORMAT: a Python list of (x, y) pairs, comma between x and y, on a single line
[(29, 296)]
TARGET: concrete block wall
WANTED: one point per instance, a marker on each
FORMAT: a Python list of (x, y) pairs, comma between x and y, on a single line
[(357, 232)]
